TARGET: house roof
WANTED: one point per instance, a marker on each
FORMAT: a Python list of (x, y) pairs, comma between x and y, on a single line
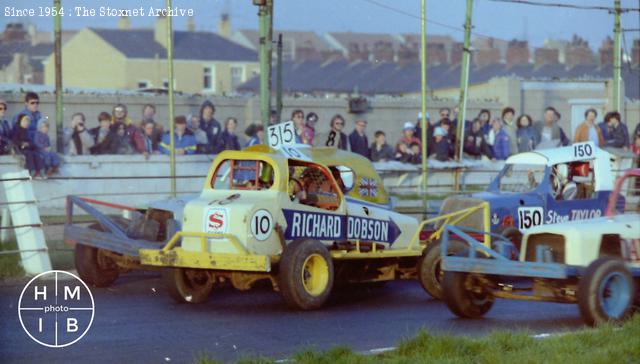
[(300, 39), (35, 52), (340, 76), (140, 43)]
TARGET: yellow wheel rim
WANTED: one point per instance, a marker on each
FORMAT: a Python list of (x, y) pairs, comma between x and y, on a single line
[(315, 274)]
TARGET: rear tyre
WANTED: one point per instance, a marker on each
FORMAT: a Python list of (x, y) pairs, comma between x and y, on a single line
[(188, 285), (429, 266), (464, 296), (606, 292), (94, 266), (305, 274)]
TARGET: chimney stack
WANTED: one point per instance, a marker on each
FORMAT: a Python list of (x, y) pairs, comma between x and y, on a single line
[(517, 53), (456, 53), (578, 53), (606, 52), (544, 56), (191, 24), (160, 30), (635, 52), (436, 53), (124, 23), (224, 26)]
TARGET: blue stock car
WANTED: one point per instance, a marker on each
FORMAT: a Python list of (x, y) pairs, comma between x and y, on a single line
[(535, 188)]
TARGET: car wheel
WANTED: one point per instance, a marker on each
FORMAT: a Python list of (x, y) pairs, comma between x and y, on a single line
[(305, 274), (188, 285), (465, 296), (429, 266), (94, 266), (606, 292)]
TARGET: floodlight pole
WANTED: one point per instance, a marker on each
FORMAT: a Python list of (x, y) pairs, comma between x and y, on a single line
[(279, 78), (172, 151), (58, 75), (464, 84), (617, 97), (264, 14), (423, 87)]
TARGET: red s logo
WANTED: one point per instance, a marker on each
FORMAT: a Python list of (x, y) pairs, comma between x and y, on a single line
[(216, 220)]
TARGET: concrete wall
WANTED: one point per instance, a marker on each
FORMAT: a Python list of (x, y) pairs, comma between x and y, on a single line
[(388, 114)]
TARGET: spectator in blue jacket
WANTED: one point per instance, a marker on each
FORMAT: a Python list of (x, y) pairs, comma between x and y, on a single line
[(43, 147), (212, 127), (617, 135), (31, 104), (527, 137), (184, 140), (229, 137), (5, 130), (501, 142), (358, 139)]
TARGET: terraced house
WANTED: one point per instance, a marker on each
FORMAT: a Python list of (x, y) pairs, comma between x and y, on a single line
[(126, 58)]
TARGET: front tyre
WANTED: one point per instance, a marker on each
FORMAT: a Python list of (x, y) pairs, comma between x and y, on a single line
[(465, 296), (305, 274), (606, 292), (187, 285), (429, 266)]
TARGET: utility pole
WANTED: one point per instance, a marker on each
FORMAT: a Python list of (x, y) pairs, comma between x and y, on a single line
[(172, 154), (264, 15), (464, 84), (279, 78), (617, 97), (423, 87), (58, 70)]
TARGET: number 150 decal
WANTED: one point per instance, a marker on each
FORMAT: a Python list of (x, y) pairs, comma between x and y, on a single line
[(529, 217)]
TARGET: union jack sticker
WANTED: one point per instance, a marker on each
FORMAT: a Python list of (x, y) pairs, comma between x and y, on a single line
[(368, 187)]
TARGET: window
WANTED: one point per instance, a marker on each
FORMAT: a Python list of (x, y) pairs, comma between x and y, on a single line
[(208, 80), (237, 77), (312, 185), (520, 177), (143, 84), (243, 175), (165, 83)]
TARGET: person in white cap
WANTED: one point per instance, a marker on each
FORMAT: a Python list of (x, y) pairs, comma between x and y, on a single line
[(441, 148), (404, 152)]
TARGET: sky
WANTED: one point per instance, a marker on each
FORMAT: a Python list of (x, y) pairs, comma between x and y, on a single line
[(490, 18)]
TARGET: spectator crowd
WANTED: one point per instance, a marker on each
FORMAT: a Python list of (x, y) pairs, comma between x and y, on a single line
[(116, 133)]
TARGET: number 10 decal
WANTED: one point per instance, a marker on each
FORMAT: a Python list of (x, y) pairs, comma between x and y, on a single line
[(529, 217), (261, 225)]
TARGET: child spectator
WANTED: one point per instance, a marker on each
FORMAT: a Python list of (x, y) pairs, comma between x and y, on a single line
[(527, 138), (42, 144), (297, 116), (184, 141), (408, 153), (509, 127), (31, 105), (229, 137), (26, 147), (310, 127), (408, 137), (501, 141), (255, 132), (447, 126), (358, 139), (442, 148), (77, 139), (148, 132), (148, 115), (336, 137), (101, 133), (5, 130), (380, 150), (198, 133)]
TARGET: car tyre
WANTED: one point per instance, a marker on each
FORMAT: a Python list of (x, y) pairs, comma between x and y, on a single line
[(305, 274), (93, 265), (187, 285), (459, 293), (429, 271), (606, 292)]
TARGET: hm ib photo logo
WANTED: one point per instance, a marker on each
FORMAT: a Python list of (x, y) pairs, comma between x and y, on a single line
[(56, 309)]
